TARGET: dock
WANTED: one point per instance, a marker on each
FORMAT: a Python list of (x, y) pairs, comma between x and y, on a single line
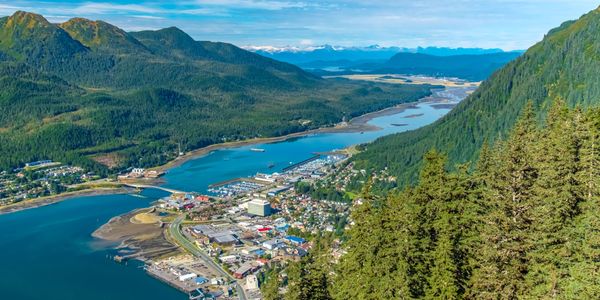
[(317, 156), (158, 276)]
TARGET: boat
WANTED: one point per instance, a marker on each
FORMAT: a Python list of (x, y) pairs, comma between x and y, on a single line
[(271, 165), (257, 150)]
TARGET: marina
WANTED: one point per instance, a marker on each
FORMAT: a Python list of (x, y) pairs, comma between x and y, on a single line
[(73, 263)]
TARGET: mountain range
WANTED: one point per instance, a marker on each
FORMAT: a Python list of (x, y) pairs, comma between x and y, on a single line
[(89, 93), (564, 65), (467, 63)]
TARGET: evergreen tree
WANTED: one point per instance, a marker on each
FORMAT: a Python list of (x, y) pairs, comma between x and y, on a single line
[(270, 285), (555, 199), (309, 278), (502, 263), (584, 271), (357, 268)]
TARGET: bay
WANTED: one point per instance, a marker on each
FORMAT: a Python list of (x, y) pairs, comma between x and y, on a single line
[(49, 253)]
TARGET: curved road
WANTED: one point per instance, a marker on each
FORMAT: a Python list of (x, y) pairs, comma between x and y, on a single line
[(175, 231)]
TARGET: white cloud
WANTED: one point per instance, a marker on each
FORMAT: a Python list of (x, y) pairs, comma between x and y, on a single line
[(306, 42), (148, 17), (254, 4), (92, 8)]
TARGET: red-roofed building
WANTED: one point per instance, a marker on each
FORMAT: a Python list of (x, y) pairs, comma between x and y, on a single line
[(264, 229), (202, 198)]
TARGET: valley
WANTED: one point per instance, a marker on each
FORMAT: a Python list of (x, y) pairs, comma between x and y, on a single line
[(260, 150)]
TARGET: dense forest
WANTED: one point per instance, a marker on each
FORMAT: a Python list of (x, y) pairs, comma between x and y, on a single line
[(523, 223), (563, 65), (88, 93)]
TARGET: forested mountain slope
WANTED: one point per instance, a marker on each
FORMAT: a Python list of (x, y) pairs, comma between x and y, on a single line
[(86, 91), (472, 67), (564, 65), (523, 225)]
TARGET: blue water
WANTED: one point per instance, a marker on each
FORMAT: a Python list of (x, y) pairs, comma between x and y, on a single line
[(197, 174), (48, 252)]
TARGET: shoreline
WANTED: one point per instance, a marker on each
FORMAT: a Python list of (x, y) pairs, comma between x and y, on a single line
[(356, 124), (49, 200)]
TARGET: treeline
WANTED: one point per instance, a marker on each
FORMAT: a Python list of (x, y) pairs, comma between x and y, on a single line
[(523, 223)]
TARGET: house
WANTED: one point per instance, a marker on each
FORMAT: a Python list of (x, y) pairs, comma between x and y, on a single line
[(271, 244), (243, 270), (228, 259), (295, 240), (218, 281), (262, 261), (202, 198), (264, 230)]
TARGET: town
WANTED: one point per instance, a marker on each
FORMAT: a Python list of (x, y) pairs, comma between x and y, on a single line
[(245, 226), (40, 179)]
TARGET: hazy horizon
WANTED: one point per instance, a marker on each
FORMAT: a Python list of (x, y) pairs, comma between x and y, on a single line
[(504, 24)]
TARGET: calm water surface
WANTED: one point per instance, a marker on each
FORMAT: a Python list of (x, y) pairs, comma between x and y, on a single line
[(196, 175), (48, 252)]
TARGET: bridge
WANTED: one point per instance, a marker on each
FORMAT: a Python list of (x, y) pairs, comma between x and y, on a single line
[(146, 186)]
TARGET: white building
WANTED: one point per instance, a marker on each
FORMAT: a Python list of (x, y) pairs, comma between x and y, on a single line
[(272, 244), (187, 277), (251, 282), (259, 207)]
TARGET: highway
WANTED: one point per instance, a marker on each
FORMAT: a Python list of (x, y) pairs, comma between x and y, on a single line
[(175, 232)]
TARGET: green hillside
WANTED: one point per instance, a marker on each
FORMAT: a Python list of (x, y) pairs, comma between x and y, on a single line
[(472, 67), (86, 91), (523, 225), (564, 65)]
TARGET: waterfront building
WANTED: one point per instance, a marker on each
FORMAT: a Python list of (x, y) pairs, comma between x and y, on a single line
[(259, 207)]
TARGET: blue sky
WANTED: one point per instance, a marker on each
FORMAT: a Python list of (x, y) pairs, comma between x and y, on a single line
[(507, 24)]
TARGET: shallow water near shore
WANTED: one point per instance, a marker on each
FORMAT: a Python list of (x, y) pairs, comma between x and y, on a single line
[(49, 253)]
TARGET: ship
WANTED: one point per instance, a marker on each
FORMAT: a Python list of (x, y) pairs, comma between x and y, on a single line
[(257, 150)]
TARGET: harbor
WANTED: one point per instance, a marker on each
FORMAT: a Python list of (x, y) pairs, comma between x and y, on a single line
[(72, 262)]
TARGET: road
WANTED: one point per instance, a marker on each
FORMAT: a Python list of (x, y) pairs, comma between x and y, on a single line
[(175, 231)]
